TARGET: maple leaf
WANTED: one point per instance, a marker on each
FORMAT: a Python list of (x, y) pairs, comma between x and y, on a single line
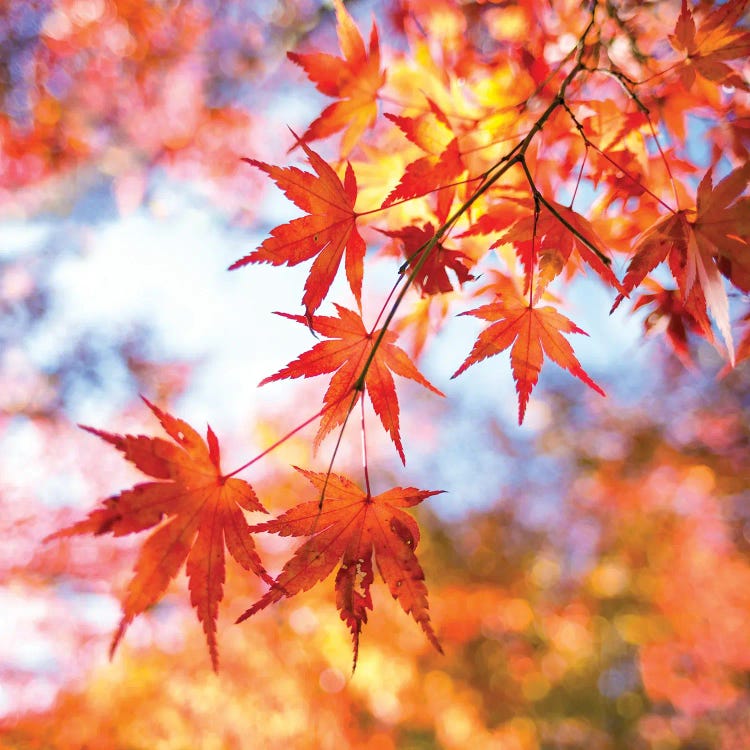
[(607, 125), (203, 510), (714, 235), (675, 317), (692, 248), (722, 223), (532, 332), (432, 132), (355, 79), (546, 243), (719, 38), (350, 525), (432, 277), (329, 231), (662, 239), (345, 355)]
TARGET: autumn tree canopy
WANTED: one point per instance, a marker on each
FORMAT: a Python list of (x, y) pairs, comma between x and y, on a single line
[(495, 158)]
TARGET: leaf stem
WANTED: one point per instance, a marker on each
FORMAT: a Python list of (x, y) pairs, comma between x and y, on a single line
[(421, 195), (279, 442), (358, 393), (364, 449), (580, 175), (533, 248), (628, 84), (631, 177)]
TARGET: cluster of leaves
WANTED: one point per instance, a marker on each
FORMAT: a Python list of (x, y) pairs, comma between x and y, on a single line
[(491, 145), (122, 86)]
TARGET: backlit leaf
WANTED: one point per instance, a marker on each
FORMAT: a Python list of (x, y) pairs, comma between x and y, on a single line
[(351, 527), (197, 510)]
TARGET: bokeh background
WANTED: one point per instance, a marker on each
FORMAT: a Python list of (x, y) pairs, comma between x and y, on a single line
[(589, 573)]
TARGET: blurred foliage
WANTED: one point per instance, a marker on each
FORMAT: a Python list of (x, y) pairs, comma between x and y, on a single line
[(622, 624), (113, 88)]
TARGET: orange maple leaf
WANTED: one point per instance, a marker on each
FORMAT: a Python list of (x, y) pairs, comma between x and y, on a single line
[(328, 231), (345, 355), (355, 79), (204, 512), (719, 38), (532, 332), (350, 525)]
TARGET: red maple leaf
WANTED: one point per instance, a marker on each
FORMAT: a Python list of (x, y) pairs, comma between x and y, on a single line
[(675, 317), (328, 231), (350, 525), (203, 509), (532, 332), (660, 241), (355, 79), (345, 355), (432, 277), (696, 249), (722, 223)]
